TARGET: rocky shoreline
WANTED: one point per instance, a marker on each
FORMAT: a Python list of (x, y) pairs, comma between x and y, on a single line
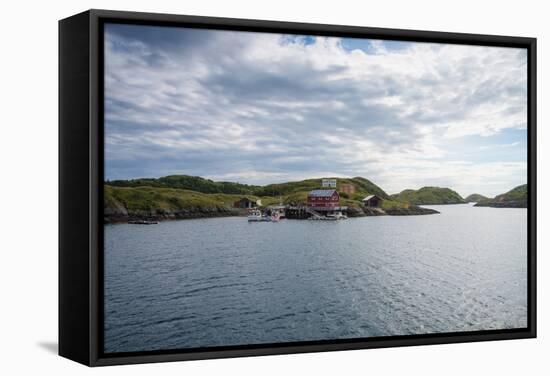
[(411, 211), (369, 212), (120, 214), (502, 204)]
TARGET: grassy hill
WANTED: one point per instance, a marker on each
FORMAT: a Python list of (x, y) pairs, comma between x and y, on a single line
[(151, 198), (289, 192), (475, 197), (181, 196), (515, 198), (198, 184), (363, 187), (429, 196), (121, 203), (193, 183)]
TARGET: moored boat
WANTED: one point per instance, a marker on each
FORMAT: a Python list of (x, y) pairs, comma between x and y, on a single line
[(254, 216), (257, 216), (143, 222)]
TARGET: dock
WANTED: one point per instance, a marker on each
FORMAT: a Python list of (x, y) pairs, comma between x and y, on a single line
[(307, 212)]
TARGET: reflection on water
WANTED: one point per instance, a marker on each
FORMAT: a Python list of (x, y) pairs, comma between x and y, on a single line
[(224, 281)]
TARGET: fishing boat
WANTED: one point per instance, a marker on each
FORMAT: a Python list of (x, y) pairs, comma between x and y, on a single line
[(254, 216), (257, 216)]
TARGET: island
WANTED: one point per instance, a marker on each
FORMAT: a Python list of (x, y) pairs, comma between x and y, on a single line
[(475, 197), (515, 198), (429, 196), (187, 197)]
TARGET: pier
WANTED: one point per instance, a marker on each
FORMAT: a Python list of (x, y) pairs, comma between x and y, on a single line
[(306, 212)]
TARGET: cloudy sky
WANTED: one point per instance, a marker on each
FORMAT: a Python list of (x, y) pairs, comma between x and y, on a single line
[(261, 108)]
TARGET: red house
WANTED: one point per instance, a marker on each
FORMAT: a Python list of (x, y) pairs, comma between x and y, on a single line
[(323, 198)]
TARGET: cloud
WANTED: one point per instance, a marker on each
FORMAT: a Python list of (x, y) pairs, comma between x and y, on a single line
[(261, 108)]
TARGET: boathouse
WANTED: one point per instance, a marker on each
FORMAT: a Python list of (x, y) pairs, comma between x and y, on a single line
[(323, 198), (372, 201), (246, 203)]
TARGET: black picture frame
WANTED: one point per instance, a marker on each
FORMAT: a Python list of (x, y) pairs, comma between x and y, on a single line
[(81, 182)]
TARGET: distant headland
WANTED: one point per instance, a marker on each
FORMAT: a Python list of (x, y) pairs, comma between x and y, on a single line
[(515, 198)]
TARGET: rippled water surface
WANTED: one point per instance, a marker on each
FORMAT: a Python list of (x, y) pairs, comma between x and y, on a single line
[(224, 281)]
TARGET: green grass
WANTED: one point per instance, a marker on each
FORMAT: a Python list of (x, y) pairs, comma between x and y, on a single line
[(429, 196), (516, 196), (193, 183), (475, 197), (153, 198), (173, 193), (391, 204)]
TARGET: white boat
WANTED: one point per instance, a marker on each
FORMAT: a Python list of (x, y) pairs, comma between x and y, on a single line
[(143, 222), (257, 216), (337, 215)]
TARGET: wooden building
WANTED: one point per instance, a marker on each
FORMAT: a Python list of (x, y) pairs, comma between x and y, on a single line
[(246, 203), (372, 201), (328, 183), (323, 198)]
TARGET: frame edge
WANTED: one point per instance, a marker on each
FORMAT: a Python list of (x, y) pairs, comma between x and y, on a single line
[(93, 17), (73, 257)]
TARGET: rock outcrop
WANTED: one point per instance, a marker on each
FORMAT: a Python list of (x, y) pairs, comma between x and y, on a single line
[(370, 212), (121, 214)]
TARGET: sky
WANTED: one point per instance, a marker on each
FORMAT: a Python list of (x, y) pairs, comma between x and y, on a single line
[(262, 108)]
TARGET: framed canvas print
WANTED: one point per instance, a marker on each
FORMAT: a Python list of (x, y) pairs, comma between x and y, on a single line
[(236, 187)]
